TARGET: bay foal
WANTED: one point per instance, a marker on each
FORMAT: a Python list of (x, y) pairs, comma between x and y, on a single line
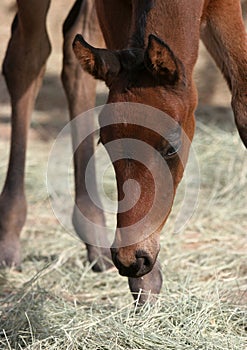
[(152, 47)]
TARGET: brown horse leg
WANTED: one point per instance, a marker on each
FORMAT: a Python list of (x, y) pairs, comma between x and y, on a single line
[(80, 89), (224, 35), (145, 288), (23, 68)]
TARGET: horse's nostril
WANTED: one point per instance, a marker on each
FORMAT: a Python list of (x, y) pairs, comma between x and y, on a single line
[(140, 254), (144, 263)]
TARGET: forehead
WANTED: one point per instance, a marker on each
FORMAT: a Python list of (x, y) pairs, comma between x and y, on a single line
[(139, 86), (137, 120), (147, 103)]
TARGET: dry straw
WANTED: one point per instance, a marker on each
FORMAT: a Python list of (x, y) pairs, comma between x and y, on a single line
[(57, 302)]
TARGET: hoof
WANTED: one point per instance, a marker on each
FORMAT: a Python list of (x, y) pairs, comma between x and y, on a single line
[(100, 258), (10, 255)]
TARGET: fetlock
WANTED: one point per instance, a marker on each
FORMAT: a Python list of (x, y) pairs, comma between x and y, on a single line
[(12, 219), (88, 220)]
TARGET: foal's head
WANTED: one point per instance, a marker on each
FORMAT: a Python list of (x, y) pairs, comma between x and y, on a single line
[(146, 127)]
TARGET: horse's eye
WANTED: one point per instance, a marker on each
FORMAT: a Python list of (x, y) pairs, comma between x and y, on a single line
[(170, 150)]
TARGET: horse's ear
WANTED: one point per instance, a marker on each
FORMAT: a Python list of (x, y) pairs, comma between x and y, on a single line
[(101, 63), (161, 61)]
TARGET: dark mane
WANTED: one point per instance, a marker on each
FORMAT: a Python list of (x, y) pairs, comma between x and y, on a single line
[(140, 9)]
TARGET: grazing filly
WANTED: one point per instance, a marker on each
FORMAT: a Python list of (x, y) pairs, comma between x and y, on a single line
[(152, 47)]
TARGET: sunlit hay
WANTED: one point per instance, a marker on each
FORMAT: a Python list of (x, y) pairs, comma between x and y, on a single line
[(57, 302), (34, 318)]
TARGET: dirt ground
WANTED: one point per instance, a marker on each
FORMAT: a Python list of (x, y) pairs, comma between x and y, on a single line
[(51, 107)]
